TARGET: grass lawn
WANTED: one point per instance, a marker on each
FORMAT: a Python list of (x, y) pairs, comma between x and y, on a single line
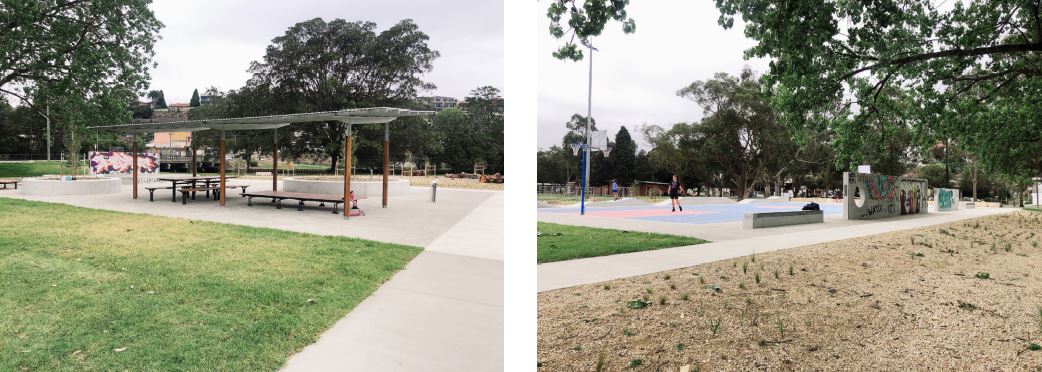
[(566, 242), (27, 169), (87, 289)]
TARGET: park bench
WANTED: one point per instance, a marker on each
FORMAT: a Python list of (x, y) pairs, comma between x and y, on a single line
[(152, 191), (300, 197), (216, 191), (7, 181)]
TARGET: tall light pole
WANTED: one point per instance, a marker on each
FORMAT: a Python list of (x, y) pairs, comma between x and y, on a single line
[(589, 119), (47, 116)]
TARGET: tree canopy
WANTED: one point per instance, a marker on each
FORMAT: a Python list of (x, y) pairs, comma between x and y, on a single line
[(80, 47), (320, 66)]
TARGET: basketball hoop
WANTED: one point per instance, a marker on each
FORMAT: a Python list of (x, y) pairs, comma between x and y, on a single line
[(575, 148), (607, 150)]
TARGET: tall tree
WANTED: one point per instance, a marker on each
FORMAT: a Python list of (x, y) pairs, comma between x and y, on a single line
[(194, 102), (740, 130), (366, 68), (623, 159), (84, 47)]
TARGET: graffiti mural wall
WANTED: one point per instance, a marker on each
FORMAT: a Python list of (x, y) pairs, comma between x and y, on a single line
[(947, 199), (118, 162), (871, 196)]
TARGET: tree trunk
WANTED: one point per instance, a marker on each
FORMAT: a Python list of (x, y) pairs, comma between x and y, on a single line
[(974, 183), (332, 163)]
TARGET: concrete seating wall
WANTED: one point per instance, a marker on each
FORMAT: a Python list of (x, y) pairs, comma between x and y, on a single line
[(773, 219)]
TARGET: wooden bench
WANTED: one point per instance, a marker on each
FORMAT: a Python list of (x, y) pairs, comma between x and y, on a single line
[(300, 197), (8, 181), (152, 191), (216, 191)]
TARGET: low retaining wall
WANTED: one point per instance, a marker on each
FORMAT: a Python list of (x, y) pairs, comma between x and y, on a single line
[(48, 186), (362, 189), (772, 219)]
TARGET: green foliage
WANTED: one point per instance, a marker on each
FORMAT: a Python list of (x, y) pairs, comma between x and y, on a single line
[(983, 275), (474, 135), (636, 363), (585, 19), (637, 304), (366, 69), (194, 102), (61, 49)]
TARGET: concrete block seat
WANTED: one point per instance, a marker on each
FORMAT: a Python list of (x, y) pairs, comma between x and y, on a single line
[(773, 219)]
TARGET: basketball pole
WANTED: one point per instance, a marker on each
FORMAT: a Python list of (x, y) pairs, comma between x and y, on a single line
[(582, 193)]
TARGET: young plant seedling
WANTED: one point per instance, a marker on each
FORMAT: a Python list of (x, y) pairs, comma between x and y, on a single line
[(741, 286), (776, 275), (781, 329), (684, 296), (745, 267), (983, 275), (662, 300), (680, 346), (714, 325), (791, 272), (637, 304), (757, 277), (636, 363), (628, 332)]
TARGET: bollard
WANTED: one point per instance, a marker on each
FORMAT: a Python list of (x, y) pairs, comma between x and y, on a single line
[(434, 190)]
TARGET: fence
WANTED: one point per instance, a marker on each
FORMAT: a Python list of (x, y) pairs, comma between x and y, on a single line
[(573, 189)]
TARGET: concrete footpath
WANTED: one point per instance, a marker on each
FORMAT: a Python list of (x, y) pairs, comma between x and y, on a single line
[(563, 274), (443, 312)]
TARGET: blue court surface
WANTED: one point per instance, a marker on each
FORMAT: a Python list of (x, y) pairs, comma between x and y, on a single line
[(693, 214)]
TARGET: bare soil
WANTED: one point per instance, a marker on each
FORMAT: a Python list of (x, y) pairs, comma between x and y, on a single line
[(961, 296)]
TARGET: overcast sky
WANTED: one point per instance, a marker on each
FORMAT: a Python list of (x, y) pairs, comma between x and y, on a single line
[(636, 76), (209, 43)]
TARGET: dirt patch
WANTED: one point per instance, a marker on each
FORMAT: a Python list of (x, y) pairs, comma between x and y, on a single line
[(965, 295)]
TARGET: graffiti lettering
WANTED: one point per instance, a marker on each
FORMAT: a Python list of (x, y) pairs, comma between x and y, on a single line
[(945, 199), (881, 187)]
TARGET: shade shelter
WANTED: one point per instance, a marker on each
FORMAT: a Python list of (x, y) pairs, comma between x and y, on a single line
[(350, 117)]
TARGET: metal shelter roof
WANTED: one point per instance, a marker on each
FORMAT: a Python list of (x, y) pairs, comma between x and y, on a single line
[(374, 115)]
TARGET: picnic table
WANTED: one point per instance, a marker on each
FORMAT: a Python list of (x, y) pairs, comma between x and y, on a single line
[(192, 181)]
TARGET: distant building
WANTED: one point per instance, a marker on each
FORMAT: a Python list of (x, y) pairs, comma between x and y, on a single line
[(206, 99), (438, 103), (179, 106)]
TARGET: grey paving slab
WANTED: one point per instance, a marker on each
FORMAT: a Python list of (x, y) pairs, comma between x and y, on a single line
[(563, 274)]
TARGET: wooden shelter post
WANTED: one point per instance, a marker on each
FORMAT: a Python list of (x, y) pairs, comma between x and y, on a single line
[(133, 149), (387, 159), (347, 172), (222, 190), (275, 161)]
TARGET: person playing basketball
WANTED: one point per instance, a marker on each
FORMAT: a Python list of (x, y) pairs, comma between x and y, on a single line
[(675, 189)]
